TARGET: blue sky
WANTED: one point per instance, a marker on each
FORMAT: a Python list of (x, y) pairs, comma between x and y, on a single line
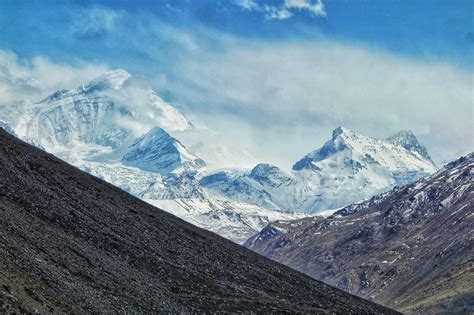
[(305, 66), (425, 29)]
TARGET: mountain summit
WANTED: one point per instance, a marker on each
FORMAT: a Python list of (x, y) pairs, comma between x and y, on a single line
[(401, 151), (103, 112), (158, 152), (113, 79), (407, 139)]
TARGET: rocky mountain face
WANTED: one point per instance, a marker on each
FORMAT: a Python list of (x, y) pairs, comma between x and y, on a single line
[(409, 249), (72, 243), (348, 168)]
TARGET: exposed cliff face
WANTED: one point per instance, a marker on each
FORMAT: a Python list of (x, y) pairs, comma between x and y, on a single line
[(410, 248), (73, 243)]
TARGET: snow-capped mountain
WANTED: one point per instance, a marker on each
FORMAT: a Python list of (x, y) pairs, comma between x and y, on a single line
[(348, 168), (98, 113), (93, 127), (400, 154), (158, 152), (117, 128), (235, 185)]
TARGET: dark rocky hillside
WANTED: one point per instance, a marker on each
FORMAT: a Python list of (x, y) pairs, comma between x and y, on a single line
[(73, 243), (410, 249)]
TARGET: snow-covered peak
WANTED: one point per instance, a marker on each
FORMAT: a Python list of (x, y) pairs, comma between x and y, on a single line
[(348, 136), (113, 79), (107, 112), (348, 168), (341, 140), (401, 151), (342, 132), (263, 169), (408, 140), (158, 152), (268, 174), (153, 137)]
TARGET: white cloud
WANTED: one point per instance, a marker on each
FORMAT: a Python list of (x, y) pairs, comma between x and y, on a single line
[(35, 78), (279, 13), (248, 4), (289, 96), (94, 23), (284, 10), (316, 8)]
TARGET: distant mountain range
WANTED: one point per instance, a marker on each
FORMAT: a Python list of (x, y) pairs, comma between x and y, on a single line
[(95, 128), (410, 248), (348, 168)]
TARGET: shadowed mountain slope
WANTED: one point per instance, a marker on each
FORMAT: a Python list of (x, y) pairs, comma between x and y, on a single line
[(73, 243), (410, 248)]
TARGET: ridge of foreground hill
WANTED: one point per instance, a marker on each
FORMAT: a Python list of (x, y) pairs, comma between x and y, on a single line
[(410, 249), (73, 243)]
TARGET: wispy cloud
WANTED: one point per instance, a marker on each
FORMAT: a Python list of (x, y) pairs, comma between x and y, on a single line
[(94, 23), (248, 4), (35, 78), (285, 10), (289, 96), (316, 8)]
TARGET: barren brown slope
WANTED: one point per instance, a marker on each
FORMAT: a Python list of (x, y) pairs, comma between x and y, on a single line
[(71, 242), (410, 249)]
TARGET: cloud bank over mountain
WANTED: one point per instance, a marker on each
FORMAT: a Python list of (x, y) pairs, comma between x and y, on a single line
[(257, 98), (35, 78), (305, 88)]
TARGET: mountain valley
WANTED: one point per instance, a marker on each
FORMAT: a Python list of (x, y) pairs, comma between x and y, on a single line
[(409, 249)]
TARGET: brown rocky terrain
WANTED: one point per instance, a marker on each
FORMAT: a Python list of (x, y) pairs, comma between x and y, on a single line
[(410, 249), (72, 243)]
